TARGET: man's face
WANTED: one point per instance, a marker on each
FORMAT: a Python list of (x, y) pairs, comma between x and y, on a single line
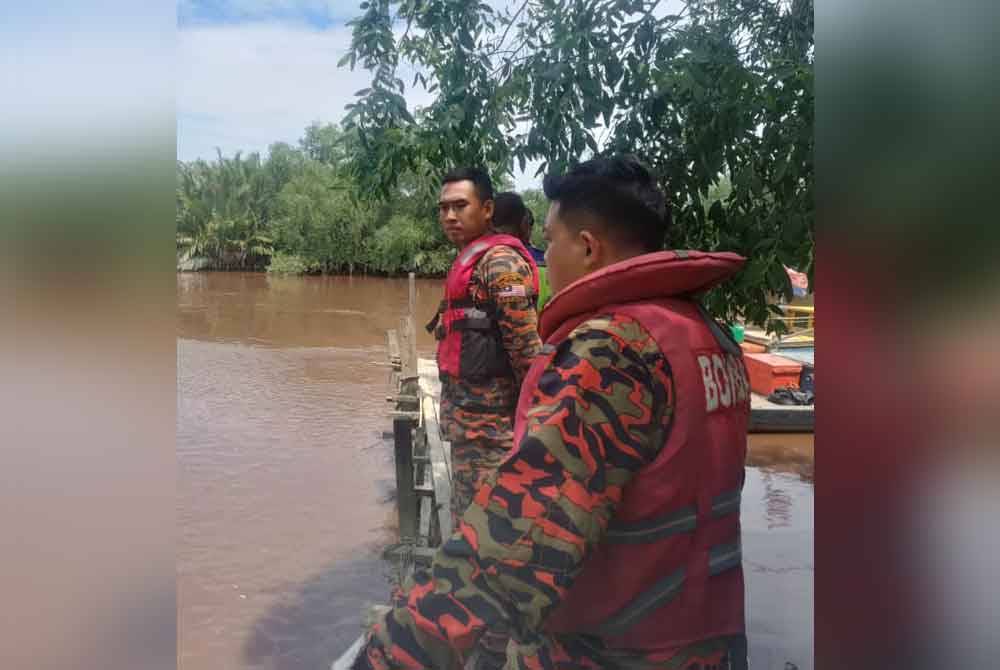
[(567, 255), (464, 217)]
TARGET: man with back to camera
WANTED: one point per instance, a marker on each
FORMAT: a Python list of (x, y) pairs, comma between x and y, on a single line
[(610, 537), (513, 217)]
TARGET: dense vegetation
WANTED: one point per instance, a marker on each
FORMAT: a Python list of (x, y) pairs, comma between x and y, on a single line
[(299, 210), (717, 98)]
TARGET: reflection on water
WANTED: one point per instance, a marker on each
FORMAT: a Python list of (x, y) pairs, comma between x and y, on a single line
[(777, 519), (283, 477)]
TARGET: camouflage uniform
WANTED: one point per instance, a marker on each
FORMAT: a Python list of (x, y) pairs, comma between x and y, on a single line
[(478, 418), (601, 412)]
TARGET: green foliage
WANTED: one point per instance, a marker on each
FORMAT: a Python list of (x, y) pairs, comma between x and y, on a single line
[(289, 264), (317, 219), (405, 244), (300, 211), (535, 200), (717, 99), (222, 211)]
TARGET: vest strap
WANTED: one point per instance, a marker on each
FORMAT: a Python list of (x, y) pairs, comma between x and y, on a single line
[(432, 324), (721, 557), (724, 557), (460, 303), (684, 520)]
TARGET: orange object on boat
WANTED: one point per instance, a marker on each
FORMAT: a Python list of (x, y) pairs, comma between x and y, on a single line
[(753, 348), (768, 372)]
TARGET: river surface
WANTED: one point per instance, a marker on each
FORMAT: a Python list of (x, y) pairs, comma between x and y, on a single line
[(284, 480)]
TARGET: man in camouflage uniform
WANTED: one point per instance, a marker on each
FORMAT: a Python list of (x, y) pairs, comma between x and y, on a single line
[(477, 416), (601, 412), (513, 217)]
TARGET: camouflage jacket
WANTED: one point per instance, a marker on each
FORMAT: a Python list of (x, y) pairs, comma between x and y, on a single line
[(501, 277), (525, 537)]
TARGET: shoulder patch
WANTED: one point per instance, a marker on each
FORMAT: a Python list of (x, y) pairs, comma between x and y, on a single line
[(509, 279)]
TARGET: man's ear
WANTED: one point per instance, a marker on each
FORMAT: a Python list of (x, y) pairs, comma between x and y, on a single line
[(593, 249), (488, 209)]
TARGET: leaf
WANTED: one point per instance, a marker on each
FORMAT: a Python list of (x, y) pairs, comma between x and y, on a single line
[(362, 92), (717, 214), (779, 173)]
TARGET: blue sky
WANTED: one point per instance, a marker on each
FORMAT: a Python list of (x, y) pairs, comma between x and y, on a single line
[(252, 72), (318, 14)]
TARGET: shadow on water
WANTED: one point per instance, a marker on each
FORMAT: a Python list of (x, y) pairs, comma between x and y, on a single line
[(311, 627), (314, 625)]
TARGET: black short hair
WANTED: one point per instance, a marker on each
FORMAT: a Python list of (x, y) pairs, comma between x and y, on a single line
[(621, 192), (479, 177), (508, 213)]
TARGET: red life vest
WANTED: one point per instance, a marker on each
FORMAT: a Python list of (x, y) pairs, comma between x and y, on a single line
[(469, 344), (668, 572)]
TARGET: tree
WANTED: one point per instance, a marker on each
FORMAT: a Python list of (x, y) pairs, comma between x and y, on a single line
[(223, 210), (721, 91)]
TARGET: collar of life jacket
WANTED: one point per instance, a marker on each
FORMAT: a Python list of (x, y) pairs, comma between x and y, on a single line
[(662, 274)]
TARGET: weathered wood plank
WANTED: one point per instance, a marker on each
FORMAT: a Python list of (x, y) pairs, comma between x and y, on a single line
[(406, 497), (447, 457), (407, 348), (392, 345), (347, 659), (424, 555), (430, 385), (413, 295), (439, 468), (426, 510), (429, 381)]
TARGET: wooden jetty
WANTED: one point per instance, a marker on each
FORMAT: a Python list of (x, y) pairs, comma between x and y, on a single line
[(422, 457)]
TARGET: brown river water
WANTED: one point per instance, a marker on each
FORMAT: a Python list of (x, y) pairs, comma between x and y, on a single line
[(285, 481)]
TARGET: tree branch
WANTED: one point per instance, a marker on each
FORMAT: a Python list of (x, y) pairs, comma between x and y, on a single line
[(507, 30)]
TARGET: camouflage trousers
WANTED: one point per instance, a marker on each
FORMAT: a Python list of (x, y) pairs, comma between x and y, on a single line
[(479, 443)]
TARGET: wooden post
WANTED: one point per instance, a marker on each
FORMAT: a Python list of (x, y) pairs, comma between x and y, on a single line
[(406, 497), (408, 354), (413, 295)]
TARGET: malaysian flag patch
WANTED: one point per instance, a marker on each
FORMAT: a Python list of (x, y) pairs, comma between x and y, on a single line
[(512, 291)]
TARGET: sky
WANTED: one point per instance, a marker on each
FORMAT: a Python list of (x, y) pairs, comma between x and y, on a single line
[(253, 72)]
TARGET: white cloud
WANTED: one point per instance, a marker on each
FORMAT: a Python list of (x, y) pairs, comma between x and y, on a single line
[(242, 87)]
